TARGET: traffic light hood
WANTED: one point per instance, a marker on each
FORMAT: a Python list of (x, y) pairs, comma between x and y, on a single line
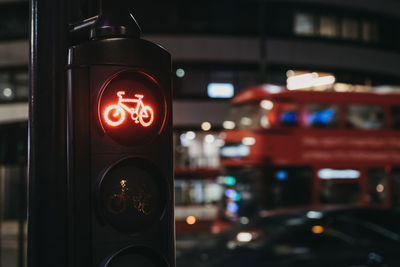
[(111, 24)]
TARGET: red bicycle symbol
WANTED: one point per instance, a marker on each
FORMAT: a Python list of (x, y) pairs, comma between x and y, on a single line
[(114, 115)]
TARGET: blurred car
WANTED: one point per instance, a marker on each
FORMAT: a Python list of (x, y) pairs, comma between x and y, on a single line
[(353, 237)]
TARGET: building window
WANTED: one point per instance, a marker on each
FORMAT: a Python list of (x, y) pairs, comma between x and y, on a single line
[(304, 24), (366, 31), (328, 26), (369, 31), (350, 28)]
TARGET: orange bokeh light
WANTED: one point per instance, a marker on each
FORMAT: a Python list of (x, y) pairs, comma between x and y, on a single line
[(190, 220), (380, 188), (317, 229)]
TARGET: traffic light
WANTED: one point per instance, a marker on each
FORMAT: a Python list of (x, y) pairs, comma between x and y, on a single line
[(120, 151)]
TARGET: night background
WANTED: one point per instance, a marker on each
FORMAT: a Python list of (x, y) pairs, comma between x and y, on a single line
[(286, 128)]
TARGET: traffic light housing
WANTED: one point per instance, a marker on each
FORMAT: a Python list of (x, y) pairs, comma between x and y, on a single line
[(120, 152)]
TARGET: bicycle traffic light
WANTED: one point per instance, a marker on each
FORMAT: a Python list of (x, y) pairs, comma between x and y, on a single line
[(120, 152)]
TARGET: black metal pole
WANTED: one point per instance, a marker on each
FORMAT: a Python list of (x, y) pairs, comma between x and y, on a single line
[(47, 222), (22, 214), (2, 177)]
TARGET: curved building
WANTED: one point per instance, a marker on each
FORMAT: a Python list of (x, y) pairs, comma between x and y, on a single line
[(244, 43)]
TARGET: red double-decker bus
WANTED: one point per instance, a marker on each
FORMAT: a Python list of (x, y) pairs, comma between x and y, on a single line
[(291, 148)]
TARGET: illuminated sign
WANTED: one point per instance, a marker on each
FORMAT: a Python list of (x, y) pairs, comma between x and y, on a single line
[(328, 174), (131, 108), (114, 115), (220, 90)]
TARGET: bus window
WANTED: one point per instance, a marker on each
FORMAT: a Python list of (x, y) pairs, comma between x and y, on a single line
[(364, 117), (320, 116), (287, 115), (339, 193), (396, 117), (376, 184), (245, 116), (287, 186)]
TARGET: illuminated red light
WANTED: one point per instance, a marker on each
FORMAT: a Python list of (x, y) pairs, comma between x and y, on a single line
[(115, 114)]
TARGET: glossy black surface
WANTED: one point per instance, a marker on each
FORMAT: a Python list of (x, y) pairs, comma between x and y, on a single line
[(351, 237)]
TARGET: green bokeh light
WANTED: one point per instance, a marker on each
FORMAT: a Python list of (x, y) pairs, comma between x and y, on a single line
[(229, 180)]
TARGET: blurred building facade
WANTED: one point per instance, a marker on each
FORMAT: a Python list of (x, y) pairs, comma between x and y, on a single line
[(240, 43)]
